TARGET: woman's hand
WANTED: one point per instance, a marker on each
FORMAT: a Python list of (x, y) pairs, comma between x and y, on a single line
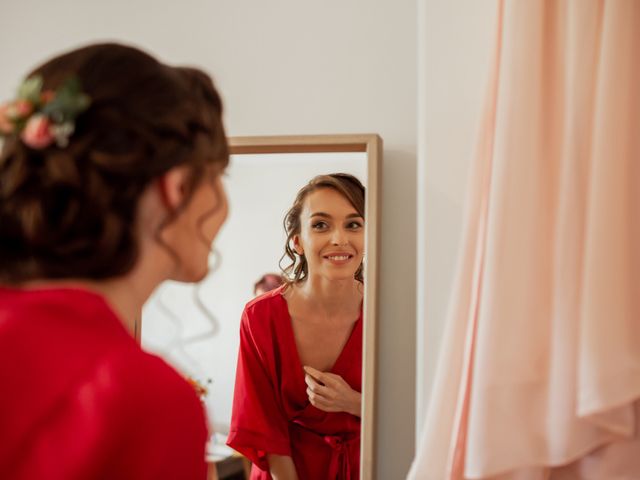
[(330, 393)]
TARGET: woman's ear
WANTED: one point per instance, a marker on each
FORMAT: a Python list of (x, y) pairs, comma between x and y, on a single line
[(172, 187), (296, 245)]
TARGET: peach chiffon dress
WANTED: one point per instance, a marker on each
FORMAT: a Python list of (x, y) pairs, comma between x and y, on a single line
[(539, 373)]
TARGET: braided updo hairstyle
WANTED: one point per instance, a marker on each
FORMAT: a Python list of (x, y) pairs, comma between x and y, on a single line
[(70, 212)]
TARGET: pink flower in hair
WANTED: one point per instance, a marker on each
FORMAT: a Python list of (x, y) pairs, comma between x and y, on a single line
[(6, 127), (43, 117), (37, 133)]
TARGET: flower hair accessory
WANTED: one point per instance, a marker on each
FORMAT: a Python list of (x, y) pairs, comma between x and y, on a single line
[(41, 118)]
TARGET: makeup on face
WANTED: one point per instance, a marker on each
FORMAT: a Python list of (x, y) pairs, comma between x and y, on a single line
[(332, 233)]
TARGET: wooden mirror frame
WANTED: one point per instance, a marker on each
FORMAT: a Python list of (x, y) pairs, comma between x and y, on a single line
[(371, 144)]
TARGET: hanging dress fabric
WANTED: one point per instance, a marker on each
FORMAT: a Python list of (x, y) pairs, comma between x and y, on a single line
[(539, 372)]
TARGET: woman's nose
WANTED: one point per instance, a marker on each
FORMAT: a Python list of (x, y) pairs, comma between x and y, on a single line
[(339, 237)]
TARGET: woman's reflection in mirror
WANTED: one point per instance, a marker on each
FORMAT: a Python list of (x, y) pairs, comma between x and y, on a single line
[(296, 411)]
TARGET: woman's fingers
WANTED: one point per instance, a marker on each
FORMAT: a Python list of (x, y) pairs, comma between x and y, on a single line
[(328, 379), (314, 386), (330, 392), (320, 402), (317, 375)]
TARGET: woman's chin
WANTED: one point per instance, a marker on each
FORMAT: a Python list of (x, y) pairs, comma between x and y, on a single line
[(340, 276), (191, 276)]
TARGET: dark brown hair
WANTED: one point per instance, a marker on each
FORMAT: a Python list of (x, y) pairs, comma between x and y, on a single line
[(345, 184), (70, 212)]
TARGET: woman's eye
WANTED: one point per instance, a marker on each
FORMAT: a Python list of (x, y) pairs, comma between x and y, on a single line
[(319, 225), (354, 225)]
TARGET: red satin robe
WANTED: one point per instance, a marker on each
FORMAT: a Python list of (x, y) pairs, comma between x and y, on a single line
[(80, 400), (271, 410)]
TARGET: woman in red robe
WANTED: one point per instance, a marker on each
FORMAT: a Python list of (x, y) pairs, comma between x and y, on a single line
[(296, 410), (109, 184)]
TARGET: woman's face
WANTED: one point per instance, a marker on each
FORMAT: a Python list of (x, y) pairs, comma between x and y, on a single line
[(198, 224), (331, 235)]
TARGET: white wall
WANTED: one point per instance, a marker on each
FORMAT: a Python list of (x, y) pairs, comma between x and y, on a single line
[(455, 45), (285, 67)]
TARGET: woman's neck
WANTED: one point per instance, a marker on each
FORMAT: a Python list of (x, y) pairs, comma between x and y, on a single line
[(128, 294), (330, 296), (125, 294), (126, 297)]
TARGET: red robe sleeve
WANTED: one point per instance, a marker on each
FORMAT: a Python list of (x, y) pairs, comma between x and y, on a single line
[(258, 423)]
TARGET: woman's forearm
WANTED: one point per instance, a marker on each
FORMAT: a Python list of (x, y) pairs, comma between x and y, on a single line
[(282, 467)]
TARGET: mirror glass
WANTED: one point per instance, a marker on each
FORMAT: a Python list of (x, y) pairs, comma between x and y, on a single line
[(196, 327)]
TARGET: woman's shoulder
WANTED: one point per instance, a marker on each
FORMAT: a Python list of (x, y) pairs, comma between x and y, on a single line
[(265, 318), (145, 389), (146, 375), (269, 303)]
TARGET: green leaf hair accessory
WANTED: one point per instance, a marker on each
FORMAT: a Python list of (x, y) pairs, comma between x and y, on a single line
[(41, 118)]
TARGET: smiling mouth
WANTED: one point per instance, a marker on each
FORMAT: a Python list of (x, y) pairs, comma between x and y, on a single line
[(339, 258)]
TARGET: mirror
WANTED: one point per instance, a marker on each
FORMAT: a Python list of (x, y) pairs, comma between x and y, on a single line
[(195, 328)]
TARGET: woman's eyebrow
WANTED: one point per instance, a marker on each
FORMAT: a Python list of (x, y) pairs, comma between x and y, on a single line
[(326, 215)]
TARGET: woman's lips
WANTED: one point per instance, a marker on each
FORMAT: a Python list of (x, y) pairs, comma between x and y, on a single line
[(338, 258)]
